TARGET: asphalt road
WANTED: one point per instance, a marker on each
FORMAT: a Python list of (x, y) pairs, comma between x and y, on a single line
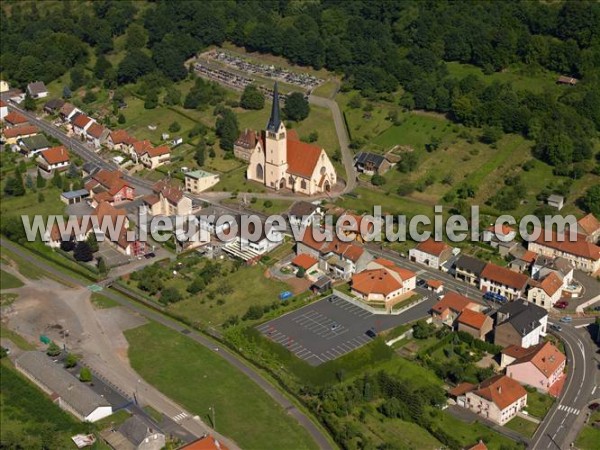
[(319, 437), (560, 426)]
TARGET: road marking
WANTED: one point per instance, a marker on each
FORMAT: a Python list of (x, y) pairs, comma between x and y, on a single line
[(179, 417)]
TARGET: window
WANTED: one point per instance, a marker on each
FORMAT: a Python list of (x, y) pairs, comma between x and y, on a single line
[(303, 184)]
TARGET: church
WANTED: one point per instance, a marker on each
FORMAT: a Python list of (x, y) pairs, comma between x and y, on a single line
[(279, 160)]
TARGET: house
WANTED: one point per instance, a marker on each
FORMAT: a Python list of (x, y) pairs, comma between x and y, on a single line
[(33, 145), (475, 323), (154, 157), (68, 111), (589, 227), (136, 433), (12, 135), (567, 80), (250, 244), (74, 197), (97, 134), (245, 144), (547, 291), (280, 160), (336, 258), (64, 389), (436, 286), (81, 123), (503, 281), (584, 255), (15, 95), (168, 200), (556, 201), (357, 227), (3, 110), (55, 158), (197, 181), (523, 260), (383, 284), (37, 90), (303, 214), (109, 186), (14, 119), (544, 265), (110, 218), (207, 442), (497, 399), (520, 323), (493, 234), (479, 446), (539, 366), (120, 140), (77, 231), (371, 163), (54, 105), (138, 148), (469, 269), (447, 310), (305, 262), (431, 253)]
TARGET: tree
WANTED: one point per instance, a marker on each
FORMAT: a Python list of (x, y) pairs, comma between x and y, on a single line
[(83, 252), (490, 135), (409, 162), (78, 78), (252, 98), (14, 185), (590, 201), (53, 349), (301, 272), (40, 197), (66, 93), (29, 102), (101, 265), (355, 102), (173, 96), (57, 180), (85, 376), (71, 360), (136, 37), (199, 156), (101, 67), (135, 64), (92, 241), (151, 101), (227, 129), (121, 119), (254, 312), (169, 295), (296, 107), (378, 180), (313, 136), (174, 127)]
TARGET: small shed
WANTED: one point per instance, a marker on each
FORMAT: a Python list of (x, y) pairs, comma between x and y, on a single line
[(556, 201), (73, 197), (323, 284), (435, 285)]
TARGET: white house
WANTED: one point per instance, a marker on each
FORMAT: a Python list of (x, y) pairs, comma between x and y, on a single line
[(37, 90), (430, 253), (55, 158), (303, 214), (520, 323), (197, 181), (503, 281), (3, 110)]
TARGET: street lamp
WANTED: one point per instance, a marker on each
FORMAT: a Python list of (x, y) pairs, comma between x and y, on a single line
[(214, 422)]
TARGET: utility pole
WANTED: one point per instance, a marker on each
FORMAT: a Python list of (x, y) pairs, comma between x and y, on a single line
[(214, 421)]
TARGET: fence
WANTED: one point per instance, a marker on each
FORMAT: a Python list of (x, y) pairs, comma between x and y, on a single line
[(380, 311)]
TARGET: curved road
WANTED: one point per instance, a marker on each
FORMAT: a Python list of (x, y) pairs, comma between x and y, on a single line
[(560, 426), (318, 436)]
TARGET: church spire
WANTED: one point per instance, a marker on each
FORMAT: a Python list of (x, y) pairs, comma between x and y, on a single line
[(275, 119)]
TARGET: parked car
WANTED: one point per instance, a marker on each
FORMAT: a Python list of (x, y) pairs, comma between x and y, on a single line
[(420, 282), (334, 326), (561, 305), (555, 327), (371, 333), (566, 319)]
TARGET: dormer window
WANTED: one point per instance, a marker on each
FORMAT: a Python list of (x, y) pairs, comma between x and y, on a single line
[(281, 135)]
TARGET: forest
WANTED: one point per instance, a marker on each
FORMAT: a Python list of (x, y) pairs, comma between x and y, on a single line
[(377, 46)]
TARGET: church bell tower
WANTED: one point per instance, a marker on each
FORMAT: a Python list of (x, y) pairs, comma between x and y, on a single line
[(275, 146)]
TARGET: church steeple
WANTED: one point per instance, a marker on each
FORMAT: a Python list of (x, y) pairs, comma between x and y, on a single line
[(275, 119)]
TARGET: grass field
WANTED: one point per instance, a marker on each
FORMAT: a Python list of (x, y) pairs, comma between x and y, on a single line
[(407, 434), (589, 436), (538, 404), (101, 302), (29, 205), (18, 340), (522, 426), (29, 419), (9, 281), (198, 379)]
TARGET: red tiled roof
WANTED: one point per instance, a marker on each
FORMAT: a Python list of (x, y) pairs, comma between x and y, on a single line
[(302, 158), (432, 247), (453, 301), (435, 284), (551, 284), (305, 261), (461, 389), (503, 229), (172, 193), (504, 276), (292, 135), (15, 118), (121, 137), (472, 319), (375, 281), (95, 130), (346, 250), (105, 209), (247, 139), (2, 104), (81, 121), (544, 356), (111, 180), (21, 130), (589, 224), (501, 390), (205, 443), (56, 155), (141, 146), (479, 446), (158, 151), (528, 256), (151, 199), (580, 247)]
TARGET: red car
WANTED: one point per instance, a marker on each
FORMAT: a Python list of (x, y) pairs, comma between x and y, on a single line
[(561, 305)]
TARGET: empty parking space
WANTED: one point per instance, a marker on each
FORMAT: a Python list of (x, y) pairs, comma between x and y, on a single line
[(332, 327)]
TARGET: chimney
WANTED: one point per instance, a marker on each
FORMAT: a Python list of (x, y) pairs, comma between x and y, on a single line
[(499, 389)]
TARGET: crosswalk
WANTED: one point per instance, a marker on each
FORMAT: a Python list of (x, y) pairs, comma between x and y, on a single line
[(568, 409), (179, 417)]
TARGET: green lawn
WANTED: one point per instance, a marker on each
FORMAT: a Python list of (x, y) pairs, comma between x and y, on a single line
[(29, 205), (18, 340), (198, 379), (469, 434), (102, 302), (538, 404), (408, 434), (29, 419), (589, 436), (522, 426), (277, 206), (416, 130), (9, 281)]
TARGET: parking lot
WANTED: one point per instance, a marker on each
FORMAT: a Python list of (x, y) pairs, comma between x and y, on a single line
[(332, 327)]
